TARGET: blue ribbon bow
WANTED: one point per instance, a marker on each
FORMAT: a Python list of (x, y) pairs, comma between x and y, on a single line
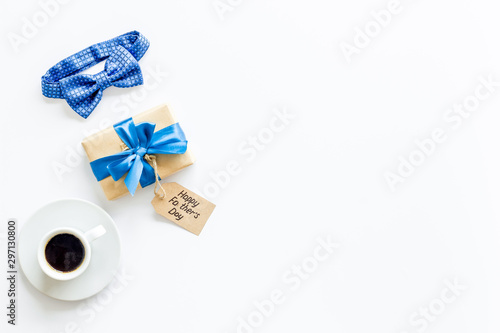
[(141, 139), (84, 91)]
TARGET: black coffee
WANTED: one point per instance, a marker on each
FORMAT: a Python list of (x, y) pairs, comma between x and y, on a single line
[(64, 252)]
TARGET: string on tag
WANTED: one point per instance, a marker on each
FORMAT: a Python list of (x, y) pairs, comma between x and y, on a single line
[(152, 159)]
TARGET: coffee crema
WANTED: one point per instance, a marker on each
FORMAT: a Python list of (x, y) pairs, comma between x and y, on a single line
[(65, 252)]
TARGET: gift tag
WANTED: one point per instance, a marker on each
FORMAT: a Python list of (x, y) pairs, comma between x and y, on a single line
[(183, 207)]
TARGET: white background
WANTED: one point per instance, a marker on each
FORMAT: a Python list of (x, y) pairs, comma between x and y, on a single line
[(322, 176)]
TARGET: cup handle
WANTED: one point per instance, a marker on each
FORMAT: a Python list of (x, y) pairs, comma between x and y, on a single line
[(95, 233)]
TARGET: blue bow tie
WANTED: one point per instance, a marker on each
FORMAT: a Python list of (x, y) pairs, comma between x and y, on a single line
[(84, 91), (141, 139)]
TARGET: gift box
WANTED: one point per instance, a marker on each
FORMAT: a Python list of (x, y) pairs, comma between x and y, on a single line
[(107, 142)]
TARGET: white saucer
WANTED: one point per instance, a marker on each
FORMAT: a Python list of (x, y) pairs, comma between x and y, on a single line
[(81, 215)]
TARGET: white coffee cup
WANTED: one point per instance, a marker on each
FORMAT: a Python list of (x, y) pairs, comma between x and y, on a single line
[(85, 237)]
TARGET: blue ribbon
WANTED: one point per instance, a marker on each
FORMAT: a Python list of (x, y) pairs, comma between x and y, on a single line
[(141, 139), (84, 91)]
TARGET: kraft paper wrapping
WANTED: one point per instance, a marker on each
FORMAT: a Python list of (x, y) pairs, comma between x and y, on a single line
[(107, 142)]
